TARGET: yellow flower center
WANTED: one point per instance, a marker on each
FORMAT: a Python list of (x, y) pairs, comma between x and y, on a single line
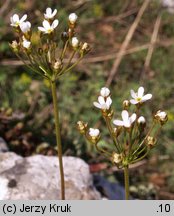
[(138, 99)]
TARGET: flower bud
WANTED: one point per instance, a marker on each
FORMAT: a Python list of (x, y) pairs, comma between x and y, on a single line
[(151, 141), (94, 135), (57, 65), (85, 48), (75, 42), (26, 44), (81, 127), (15, 46), (126, 104), (141, 120), (73, 18), (117, 131), (64, 36), (161, 116), (116, 158)]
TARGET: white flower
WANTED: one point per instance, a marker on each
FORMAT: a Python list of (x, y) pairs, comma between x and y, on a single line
[(127, 121), (15, 21), (25, 27), (103, 103), (75, 42), (161, 116), (94, 132), (26, 44), (47, 28), (139, 97), (104, 92), (73, 18), (141, 120), (50, 14)]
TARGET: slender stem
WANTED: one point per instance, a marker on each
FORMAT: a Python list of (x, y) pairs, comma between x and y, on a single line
[(107, 120), (64, 50), (58, 137), (126, 181), (138, 159), (149, 132), (73, 65)]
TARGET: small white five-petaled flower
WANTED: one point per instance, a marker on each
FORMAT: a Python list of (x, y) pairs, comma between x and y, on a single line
[(94, 132), (47, 28), (25, 27), (104, 92), (103, 103), (50, 14), (73, 18), (15, 21), (139, 97), (127, 121)]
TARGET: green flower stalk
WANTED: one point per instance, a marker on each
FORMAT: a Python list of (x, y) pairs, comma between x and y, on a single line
[(50, 58), (132, 138)]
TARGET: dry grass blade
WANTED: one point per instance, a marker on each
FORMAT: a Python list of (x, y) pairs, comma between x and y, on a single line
[(126, 42), (152, 46), (110, 18)]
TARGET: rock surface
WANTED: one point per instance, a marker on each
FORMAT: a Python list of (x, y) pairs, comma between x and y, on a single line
[(37, 177), (3, 145)]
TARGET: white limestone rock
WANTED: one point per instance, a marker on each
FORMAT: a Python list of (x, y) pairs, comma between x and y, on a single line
[(37, 177)]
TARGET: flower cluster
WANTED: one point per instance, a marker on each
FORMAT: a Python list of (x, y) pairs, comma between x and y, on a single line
[(48, 57), (132, 137)]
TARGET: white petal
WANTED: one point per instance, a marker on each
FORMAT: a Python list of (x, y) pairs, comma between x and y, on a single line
[(125, 115), (104, 106), (127, 124), (46, 24), (108, 102), (97, 105), (15, 18), (54, 12), (101, 100), (41, 29), (25, 26), (48, 11), (55, 23), (132, 101), (132, 118), (140, 92), (23, 18), (146, 97), (133, 94), (118, 122), (104, 92)]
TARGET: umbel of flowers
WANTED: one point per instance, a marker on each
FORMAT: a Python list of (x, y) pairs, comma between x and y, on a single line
[(54, 54), (133, 136)]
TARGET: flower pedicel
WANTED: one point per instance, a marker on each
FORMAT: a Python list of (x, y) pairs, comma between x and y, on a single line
[(132, 138), (42, 59)]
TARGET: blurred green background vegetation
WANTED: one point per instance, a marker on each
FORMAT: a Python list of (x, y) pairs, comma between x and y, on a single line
[(26, 107)]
